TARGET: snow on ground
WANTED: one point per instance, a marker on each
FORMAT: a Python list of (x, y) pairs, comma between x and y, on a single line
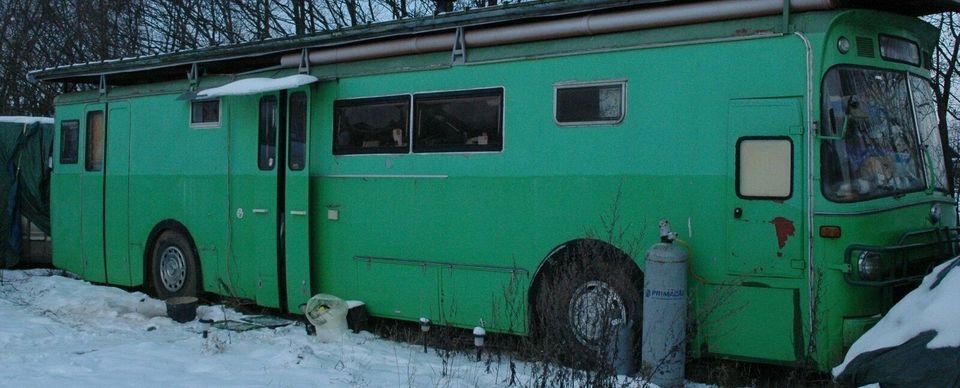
[(923, 309), (25, 120), (59, 331)]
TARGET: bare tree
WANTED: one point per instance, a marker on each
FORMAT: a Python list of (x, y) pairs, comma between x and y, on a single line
[(946, 70)]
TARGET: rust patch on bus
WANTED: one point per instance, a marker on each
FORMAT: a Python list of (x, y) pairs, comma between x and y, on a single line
[(784, 228)]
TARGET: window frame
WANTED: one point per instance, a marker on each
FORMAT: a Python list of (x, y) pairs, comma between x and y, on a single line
[(915, 44), (929, 171), (357, 101), (207, 124), (452, 94), (276, 125), (87, 162), (839, 135), (306, 132), (76, 142), (737, 170), (622, 82)]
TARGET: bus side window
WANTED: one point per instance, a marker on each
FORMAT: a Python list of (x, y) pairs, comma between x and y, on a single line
[(298, 131), (69, 141), (589, 104), (95, 137), (205, 113), (764, 168), (463, 121), (371, 125), (267, 143)]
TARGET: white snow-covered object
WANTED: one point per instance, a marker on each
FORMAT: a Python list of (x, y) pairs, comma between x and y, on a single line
[(25, 120), (257, 85), (930, 307)]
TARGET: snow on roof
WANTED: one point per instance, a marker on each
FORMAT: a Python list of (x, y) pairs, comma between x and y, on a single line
[(257, 85), (25, 120), (932, 306)]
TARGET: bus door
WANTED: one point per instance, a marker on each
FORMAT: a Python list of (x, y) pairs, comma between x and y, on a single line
[(764, 232), (296, 189), (91, 192), (116, 195), (267, 190), (253, 197), (765, 213)]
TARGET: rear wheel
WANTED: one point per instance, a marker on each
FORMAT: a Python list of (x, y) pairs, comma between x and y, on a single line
[(173, 267), (581, 301)]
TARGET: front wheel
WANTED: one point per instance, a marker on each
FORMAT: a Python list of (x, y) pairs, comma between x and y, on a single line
[(173, 267), (584, 300)]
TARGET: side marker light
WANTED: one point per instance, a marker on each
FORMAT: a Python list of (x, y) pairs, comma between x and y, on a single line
[(830, 231)]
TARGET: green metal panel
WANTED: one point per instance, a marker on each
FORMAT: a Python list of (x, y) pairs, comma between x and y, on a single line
[(551, 184), (494, 298), (117, 189), (91, 213), (297, 254), (65, 203), (181, 179), (765, 236), (399, 289), (754, 323), (253, 195)]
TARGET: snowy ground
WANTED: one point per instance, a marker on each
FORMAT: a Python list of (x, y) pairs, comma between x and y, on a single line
[(55, 330), (58, 331)]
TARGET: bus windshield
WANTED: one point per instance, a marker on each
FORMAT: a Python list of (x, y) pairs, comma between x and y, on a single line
[(871, 147)]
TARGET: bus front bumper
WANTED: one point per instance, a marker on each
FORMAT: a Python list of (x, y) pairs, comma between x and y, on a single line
[(906, 262)]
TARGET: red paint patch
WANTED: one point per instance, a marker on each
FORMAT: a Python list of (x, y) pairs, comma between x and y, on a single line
[(785, 229)]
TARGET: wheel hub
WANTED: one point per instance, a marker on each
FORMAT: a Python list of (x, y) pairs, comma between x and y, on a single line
[(594, 306), (173, 269)]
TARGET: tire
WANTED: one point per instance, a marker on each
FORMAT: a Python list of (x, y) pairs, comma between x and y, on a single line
[(173, 267), (577, 300)]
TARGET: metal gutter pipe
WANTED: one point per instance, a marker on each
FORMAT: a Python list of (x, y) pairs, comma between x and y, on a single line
[(584, 25)]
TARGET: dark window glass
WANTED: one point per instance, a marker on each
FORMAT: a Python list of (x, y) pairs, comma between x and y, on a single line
[(205, 112), (69, 141), (899, 50), (267, 149), (459, 121), (95, 138), (589, 104), (298, 130), (371, 125)]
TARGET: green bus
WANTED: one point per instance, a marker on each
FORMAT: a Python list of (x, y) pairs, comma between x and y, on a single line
[(456, 168)]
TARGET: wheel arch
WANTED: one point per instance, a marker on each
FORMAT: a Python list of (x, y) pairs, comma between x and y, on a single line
[(563, 255), (159, 229)]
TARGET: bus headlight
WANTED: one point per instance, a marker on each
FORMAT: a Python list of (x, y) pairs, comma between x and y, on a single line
[(843, 45), (869, 266)]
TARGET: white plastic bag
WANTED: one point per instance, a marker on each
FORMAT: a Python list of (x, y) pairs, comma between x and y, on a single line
[(328, 314)]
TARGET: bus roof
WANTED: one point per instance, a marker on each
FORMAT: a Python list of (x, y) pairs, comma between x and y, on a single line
[(251, 56)]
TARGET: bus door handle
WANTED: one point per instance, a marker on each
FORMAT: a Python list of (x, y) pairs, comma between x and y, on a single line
[(298, 213), (260, 211)]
